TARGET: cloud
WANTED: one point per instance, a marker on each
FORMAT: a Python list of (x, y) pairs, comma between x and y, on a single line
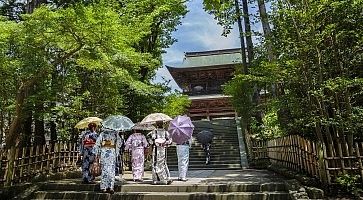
[(199, 31), (173, 56)]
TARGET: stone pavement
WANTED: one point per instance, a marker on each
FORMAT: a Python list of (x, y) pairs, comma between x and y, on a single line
[(215, 176), (201, 185)]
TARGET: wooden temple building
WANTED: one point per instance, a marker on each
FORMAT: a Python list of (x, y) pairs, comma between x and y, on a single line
[(201, 76)]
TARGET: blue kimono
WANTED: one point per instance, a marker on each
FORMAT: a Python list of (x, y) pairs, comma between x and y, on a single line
[(108, 147), (87, 142)]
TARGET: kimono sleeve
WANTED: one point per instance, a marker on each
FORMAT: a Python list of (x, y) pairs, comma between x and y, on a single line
[(118, 144), (96, 149), (152, 137), (144, 142), (128, 143), (168, 138), (80, 142)]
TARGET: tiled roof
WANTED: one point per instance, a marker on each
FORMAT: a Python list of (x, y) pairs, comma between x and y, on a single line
[(212, 96), (210, 58)]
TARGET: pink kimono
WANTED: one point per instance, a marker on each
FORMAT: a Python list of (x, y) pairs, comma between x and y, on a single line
[(136, 143)]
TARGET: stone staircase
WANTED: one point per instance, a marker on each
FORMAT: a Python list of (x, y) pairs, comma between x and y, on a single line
[(206, 185), (223, 179), (225, 147)]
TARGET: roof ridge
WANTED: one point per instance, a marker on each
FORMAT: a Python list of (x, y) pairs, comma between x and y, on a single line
[(212, 52)]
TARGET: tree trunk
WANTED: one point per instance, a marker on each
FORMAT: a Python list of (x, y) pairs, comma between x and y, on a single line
[(2, 126), (22, 93), (242, 40), (266, 28), (53, 132), (27, 129), (39, 137), (246, 18), (15, 126)]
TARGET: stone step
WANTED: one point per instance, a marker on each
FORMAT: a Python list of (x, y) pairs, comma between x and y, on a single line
[(224, 151), (219, 151), (196, 161), (216, 132), (210, 166), (201, 154), (213, 153), (202, 162), (175, 187), (214, 157), (221, 138), (212, 148), (219, 141), (162, 195)]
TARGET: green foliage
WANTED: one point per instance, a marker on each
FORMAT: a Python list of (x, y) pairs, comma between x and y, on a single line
[(270, 126), (349, 183), (176, 104), (317, 78), (86, 59), (224, 12)]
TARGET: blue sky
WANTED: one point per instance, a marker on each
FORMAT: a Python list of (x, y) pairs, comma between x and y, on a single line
[(198, 32)]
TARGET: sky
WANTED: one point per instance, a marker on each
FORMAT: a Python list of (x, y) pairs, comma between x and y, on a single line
[(198, 32)]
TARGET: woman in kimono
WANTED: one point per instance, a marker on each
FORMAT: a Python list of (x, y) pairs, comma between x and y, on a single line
[(108, 148), (87, 142), (137, 144), (182, 151), (160, 141)]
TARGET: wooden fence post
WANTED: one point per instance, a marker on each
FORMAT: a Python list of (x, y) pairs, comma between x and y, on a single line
[(10, 165), (322, 162)]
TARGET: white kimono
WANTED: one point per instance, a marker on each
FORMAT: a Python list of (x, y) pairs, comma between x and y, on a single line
[(160, 172)]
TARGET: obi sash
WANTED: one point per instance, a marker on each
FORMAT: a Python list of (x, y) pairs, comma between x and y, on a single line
[(88, 142), (108, 144)]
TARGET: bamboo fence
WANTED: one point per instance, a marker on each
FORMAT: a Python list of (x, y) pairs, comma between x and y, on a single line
[(323, 161), (43, 159)]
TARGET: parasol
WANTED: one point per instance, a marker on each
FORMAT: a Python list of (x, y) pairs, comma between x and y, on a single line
[(118, 123), (205, 137), (84, 122), (181, 129), (143, 127), (154, 117)]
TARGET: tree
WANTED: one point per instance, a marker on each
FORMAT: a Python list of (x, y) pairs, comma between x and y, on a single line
[(70, 91), (176, 104), (89, 37), (318, 54)]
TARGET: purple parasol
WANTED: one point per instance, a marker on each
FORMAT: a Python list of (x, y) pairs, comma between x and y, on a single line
[(181, 129)]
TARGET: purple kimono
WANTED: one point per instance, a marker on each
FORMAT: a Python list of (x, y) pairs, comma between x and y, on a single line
[(136, 143)]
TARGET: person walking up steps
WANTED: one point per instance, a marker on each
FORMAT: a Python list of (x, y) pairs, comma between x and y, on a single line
[(160, 141), (87, 142), (182, 151), (137, 144), (108, 147), (205, 137)]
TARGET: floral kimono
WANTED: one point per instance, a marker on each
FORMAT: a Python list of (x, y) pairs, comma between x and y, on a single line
[(108, 146), (87, 142), (160, 172), (136, 143)]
